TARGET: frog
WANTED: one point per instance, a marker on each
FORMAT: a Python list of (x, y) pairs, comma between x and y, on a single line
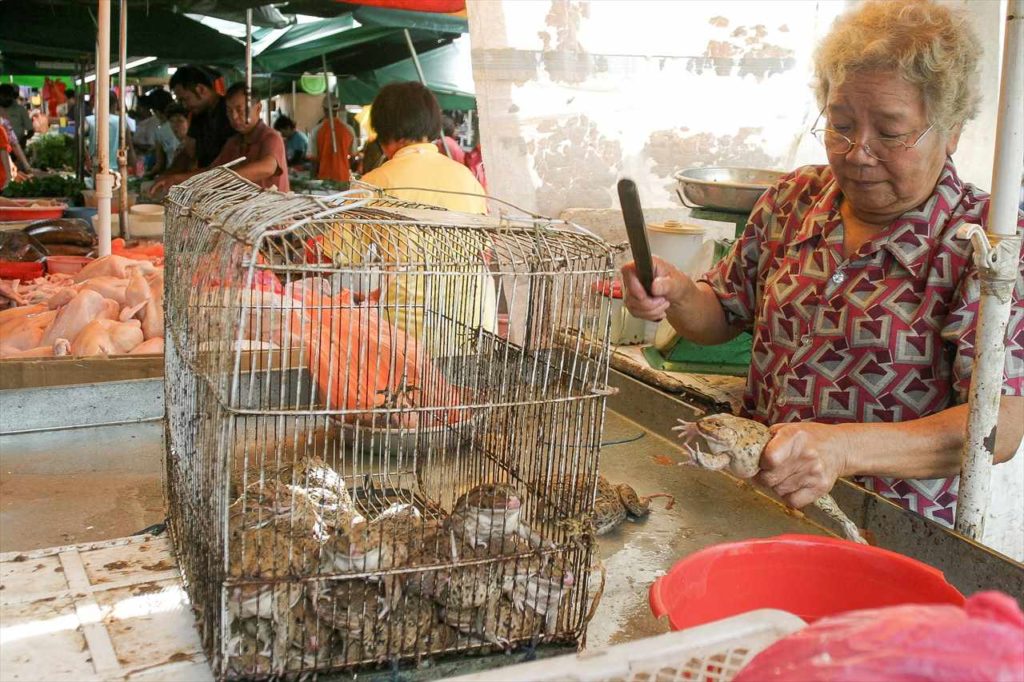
[(274, 530), (735, 444), (487, 513), (404, 631), (613, 504), (368, 547)]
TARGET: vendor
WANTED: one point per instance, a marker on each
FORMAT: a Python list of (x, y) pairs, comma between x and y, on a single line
[(861, 299), (260, 145), (208, 131)]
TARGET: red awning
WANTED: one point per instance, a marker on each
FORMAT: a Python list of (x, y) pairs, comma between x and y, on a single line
[(437, 6)]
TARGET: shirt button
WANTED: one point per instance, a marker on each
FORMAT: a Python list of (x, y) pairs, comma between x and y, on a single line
[(806, 339), (781, 402), (838, 277)]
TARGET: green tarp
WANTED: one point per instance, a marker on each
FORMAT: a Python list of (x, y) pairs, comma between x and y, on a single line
[(36, 37)]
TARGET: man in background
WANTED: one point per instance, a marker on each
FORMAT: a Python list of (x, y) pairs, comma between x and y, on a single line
[(331, 159), (260, 145), (208, 131)]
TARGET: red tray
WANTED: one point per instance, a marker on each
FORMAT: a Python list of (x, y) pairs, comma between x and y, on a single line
[(12, 213), (16, 270)]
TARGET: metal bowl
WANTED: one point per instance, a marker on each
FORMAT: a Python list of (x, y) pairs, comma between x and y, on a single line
[(724, 189)]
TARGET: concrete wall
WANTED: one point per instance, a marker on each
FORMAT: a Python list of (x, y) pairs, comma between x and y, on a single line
[(573, 94)]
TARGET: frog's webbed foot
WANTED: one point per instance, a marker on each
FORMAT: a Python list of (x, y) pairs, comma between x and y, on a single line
[(688, 431), (828, 505)]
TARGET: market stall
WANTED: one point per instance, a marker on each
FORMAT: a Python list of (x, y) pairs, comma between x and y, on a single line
[(368, 473)]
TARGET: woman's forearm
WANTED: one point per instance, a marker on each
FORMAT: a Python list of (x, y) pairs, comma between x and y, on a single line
[(698, 316), (929, 447)]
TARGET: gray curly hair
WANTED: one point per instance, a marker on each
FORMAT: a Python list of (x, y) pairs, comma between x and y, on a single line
[(927, 44)]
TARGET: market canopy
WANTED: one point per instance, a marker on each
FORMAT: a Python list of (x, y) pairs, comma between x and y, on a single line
[(368, 38), (49, 38)]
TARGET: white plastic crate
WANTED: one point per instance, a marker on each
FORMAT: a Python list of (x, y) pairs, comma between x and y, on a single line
[(715, 652)]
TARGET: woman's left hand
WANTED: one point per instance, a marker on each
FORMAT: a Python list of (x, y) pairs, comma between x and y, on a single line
[(802, 461)]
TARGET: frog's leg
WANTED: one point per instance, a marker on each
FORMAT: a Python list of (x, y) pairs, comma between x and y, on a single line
[(828, 505)]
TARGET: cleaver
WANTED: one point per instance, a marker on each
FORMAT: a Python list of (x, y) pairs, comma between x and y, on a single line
[(636, 230)]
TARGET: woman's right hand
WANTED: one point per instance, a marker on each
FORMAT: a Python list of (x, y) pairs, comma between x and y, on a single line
[(668, 289)]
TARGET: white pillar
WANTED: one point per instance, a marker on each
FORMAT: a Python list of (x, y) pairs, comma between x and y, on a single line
[(998, 257)]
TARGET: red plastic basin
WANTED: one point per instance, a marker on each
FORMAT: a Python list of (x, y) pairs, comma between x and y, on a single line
[(807, 575)]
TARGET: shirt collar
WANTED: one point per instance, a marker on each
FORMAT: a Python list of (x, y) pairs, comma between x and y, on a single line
[(910, 238), (418, 148)]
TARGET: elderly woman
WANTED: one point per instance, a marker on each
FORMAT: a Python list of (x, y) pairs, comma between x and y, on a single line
[(861, 298)]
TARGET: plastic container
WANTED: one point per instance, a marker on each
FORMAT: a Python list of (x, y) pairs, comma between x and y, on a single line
[(710, 653), (89, 196), (20, 270), (807, 575), (66, 265), (138, 226), (625, 329), (680, 244), (81, 212)]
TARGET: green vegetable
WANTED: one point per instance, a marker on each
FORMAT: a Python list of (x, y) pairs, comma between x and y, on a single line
[(51, 151), (49, 186)]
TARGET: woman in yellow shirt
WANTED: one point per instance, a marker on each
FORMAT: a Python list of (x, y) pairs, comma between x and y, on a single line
[(447, 310)]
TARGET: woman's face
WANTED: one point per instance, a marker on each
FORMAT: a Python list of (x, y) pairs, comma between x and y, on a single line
[(881, 104)]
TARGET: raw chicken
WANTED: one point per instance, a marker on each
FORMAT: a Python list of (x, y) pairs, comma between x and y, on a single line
[(154, 346), (23, 333), (61, 347), (107, 337), (113, 266), (87, 306), (21, 311), (111, 287), (144, 301)]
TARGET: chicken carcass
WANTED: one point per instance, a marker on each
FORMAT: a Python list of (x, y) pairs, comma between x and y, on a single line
[(111, 287), (154, 346), (143, 300), (85, 307), (61, 347), (113, 266), (25, 332), (107, 337), (21, 311)]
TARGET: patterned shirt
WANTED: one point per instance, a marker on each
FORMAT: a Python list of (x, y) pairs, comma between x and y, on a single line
[(886, 335)]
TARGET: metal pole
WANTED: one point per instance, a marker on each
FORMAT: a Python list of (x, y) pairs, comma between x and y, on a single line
[(103, 180), (293, 99), (79, 122), (997, 256), (122, 152), (423, 81), (248, 62), (330, 107), (270, 94)]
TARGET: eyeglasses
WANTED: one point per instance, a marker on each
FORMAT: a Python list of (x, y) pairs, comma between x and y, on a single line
[(880, 148)]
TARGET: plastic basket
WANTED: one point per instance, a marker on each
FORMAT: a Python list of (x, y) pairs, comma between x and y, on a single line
[(715, 652)]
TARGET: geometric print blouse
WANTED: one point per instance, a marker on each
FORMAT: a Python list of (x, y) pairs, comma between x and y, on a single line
[(886, 335)]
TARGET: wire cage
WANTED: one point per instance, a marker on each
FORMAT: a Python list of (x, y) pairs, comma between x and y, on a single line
[(373, 411)]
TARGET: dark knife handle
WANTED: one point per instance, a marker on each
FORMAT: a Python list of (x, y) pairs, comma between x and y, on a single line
[(636, 230)]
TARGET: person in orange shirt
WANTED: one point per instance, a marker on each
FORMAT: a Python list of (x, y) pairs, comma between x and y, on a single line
[(331, 162)]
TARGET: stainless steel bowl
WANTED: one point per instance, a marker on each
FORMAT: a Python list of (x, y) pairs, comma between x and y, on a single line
[(724, 189)]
